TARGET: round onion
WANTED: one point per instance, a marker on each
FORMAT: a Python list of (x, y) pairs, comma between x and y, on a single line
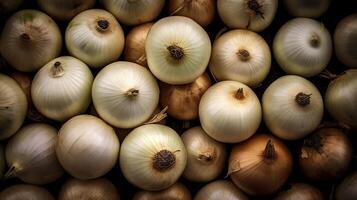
[(95, 37), (87, 147), (2, 162), (177, 49), (7, 6), (156, 154), (125, 94), (292, 107), (25, 192), (260, 165), (306, 8), (303, 47), (175, 192), (230, 112), (300, 191), (347, 189), (220, 190), (240, 55)]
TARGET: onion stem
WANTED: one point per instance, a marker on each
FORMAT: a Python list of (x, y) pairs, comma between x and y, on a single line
[(243, 55), (269, 151), (256, 7), (158, 117), (303, 99), (25, 36), (240, 94), (164, 160), (132, 92), (102, 25), (206, 157), (176, 52), (315, 142), (57, 70), (12, 172), (315, 40)]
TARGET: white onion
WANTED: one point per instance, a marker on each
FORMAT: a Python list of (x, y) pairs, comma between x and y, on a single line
[(292, 107), (87, 147), (219, 190), (29, 40), (62, 88), (306, 8), (153, 157), (25, 192), (240, 55), (230, 112), (303, 47), (31, 156), (7, 6), (2, 162), (95, 37), (177, 50)]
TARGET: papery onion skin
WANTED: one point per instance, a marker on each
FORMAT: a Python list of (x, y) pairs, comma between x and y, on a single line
[(2, 162), (87, 147), (95, 37), (177, 50), (220, 189), (156, 154), (306, 8), (300, 191), (25, 192), (31, 36), (347, 189), (178, 191), (240, 55), (13, 106), (7, 6)]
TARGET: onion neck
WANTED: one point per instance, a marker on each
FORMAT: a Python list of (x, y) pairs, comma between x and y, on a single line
[(240, 94), (102, 25), (243, 55), (164, 160), (132, 92), (315, 40), (13, 171), (269, 151), (176, 52), (256, 7), (303, 99), (207, 157), (57, 70)]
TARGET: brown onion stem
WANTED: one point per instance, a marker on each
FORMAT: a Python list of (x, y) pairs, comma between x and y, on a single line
[(57, 70), (243, 55), (132, 92), (158, 117), (269, 151), (256, 7), (315, 40), (102, 25), (240, 94), (176, 52), (25, 37), (303, 99), (164, 160)]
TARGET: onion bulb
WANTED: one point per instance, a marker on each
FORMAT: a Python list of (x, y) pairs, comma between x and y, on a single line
[(2, 162), (347, 189), (292, 107), (175, 192), (31, 155), (341, 99), (135, 44), (95, 37), (177, 50), (220, 190), (240, 55), (303, 47), (97, 189), (29, 40), (201, 11), (300, 191), (125, 94), (183, 100), (62, 88), (156, 154), (255, 15), (345, 40), (13, 106), (260, 165), (134, 12), (7, 6), (306, 8), (230, 112), (25, 192), (87, 147)]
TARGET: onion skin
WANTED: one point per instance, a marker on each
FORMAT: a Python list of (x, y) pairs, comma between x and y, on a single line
[(306, 8), (220, 189), (347, 189), (178, 191), (183, 100), (300, 191), (25, 192)]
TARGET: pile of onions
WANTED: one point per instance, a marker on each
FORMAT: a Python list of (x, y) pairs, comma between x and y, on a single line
[(183, 100), (260, 165), (29, 40), (87, 147), (300, 191), (202, 11), (205, 156), (230, 112), (220, 190), (97, 189), (341, 99), (255, 15), (125, 94), (175, 192), (303, 47), (345, 40), (95, 37), (292, 107), (240, 55), (62, 88), (134, 12), (152, 157), (177, 50), (31, 155), (2, 162), (13, 106), (347, 189), (306, 8), (26, 192)]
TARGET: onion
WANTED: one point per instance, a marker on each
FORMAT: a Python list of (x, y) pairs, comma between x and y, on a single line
[(300, 191), (25, 192), (31, 156), (97, 189), (260, 165), (240, 55), (2, 162), (65, 9), (175, 192), (255, 15), (183, 100), (13, 107), (135, 44), (156, 154), (220, 190), (303, 47), (62, 88), (345, 40), (347, 189), (7, 6), (134, 12), (87, 147), (292, 107), (230, 112), (341, 99), (306, 8), (29, 40), (125, 94), (95, 37), (202, 11), (177, 50)]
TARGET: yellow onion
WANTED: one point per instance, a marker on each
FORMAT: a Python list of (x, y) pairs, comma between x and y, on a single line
[(347, 189), (7, 6), (175, 192), (2, 162), (220, 189), (25, 192), (306, 8), (300, 191)]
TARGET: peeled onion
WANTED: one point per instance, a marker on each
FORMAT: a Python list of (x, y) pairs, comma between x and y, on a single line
[(175, 192), (25, 192), (347, 189), (300, 191), (220, 190), (7, 6), (306, 8), (2, 162)]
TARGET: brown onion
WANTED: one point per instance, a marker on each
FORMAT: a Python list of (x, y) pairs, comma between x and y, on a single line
[(178, 191), (220, 189), (25, 192), (300, 191), (347, 189)]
